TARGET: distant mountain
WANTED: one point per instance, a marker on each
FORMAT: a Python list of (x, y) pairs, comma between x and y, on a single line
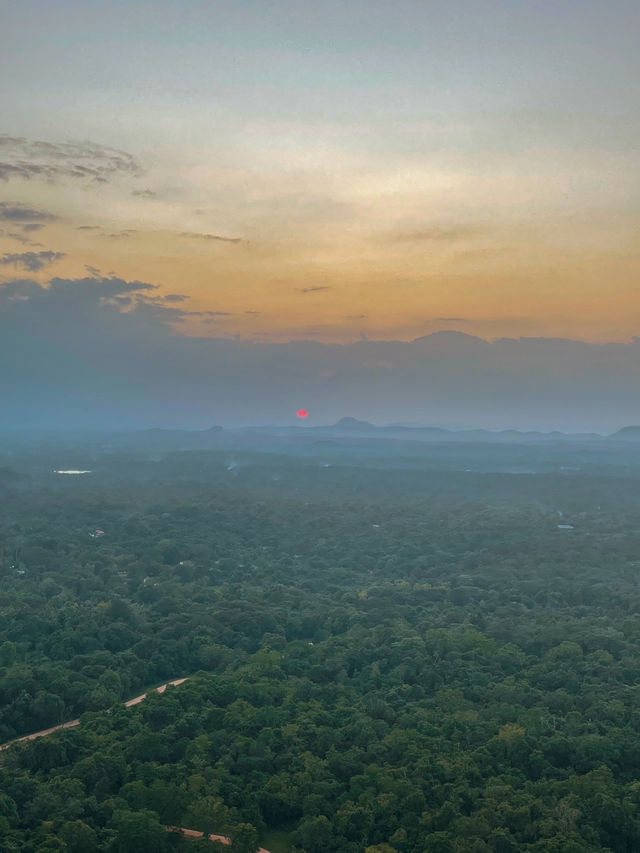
[(445, 378), (169, 431), (349, 428), (413, 425), (161, 437), (417, 432), (354, 423), (423, 431), (628, 433)]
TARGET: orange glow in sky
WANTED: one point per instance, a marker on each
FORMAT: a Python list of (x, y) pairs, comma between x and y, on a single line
[(355, 173)]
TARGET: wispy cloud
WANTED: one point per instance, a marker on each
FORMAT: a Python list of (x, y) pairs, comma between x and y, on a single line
[(19, 238), (23, 213), (435, 234), (31, 261), (119, 235), (206, 313), (492, 322), (211, 237), (54, 161), (314, 289)]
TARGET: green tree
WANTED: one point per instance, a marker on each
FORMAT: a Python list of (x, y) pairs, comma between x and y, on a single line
[(139, 832), (79, 837), (244, 838)]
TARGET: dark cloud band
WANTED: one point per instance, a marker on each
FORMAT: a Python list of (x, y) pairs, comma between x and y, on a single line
[(31, 261), (22, 213)]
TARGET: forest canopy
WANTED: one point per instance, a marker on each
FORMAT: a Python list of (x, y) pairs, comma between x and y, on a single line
[(378, 659)]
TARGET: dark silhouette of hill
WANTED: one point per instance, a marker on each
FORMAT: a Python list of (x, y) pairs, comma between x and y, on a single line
[(353, 423), (628, 433)]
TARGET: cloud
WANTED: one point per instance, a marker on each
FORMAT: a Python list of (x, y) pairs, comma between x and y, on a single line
[(88, 228), (22, 213), (106, 352), (209, 314), (355, 316), (437, 234), (19, 238), (253, 312), (119, 235), (491, 322), (93, 271), (144, 194), (211, 237), (31, 261), (213, 316), (175, 297), (32, 226), (313, 289), (66, 290), (54, 161)]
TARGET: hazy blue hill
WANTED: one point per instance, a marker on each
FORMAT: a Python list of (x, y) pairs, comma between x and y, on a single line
[(354, 423), (166, 431), (441, 434), (442, 378), (628, 433)]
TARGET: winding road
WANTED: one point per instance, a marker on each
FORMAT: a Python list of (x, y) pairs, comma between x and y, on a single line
[(70, 724), (194, 833)]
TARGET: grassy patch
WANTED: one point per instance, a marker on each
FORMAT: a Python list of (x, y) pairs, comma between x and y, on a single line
[(276, 841)]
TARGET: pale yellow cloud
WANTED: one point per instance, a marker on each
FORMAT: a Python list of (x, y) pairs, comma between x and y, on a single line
[(310, 234)]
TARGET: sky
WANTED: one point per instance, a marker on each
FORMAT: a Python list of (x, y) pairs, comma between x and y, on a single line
[(265, 172)]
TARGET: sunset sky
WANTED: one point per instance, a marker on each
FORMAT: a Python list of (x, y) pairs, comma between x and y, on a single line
[(334, 170)]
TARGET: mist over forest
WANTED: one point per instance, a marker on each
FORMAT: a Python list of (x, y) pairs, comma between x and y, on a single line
[(382, 640)]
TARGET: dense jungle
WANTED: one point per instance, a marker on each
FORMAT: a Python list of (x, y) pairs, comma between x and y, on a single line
[(382, 653)]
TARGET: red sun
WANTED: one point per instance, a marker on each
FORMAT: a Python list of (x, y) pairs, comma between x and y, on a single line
[(303, 413)]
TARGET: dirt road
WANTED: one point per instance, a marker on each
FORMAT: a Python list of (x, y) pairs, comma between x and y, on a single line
[(195, 833), (187, 833), (70, 724)]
